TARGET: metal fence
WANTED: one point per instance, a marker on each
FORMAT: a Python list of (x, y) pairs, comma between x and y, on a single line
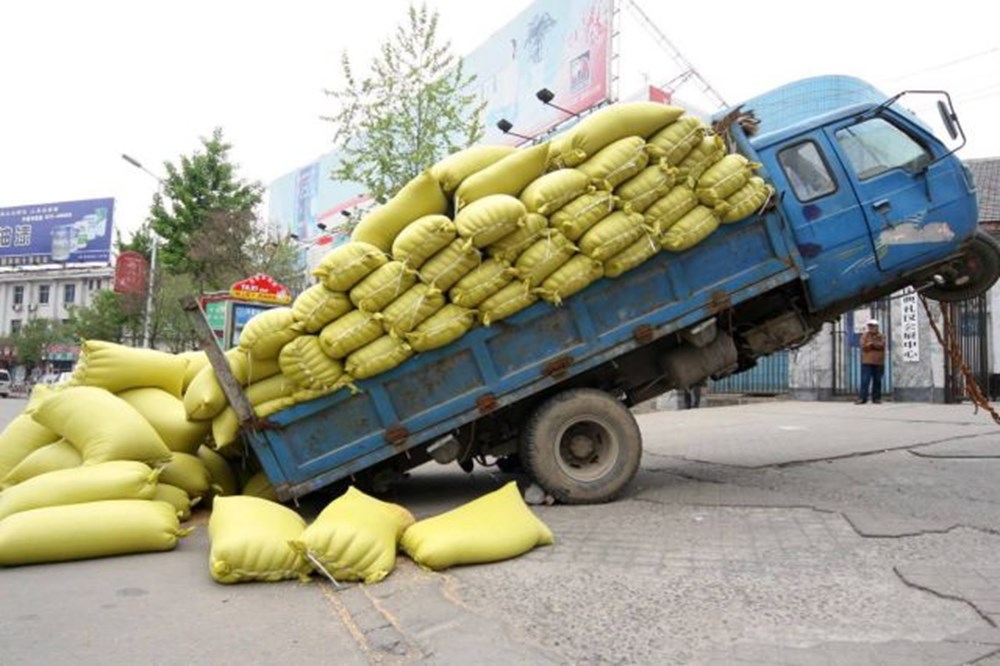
[(768, 377), (971, 321)]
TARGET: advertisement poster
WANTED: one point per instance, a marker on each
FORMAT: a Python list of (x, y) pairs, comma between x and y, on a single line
[(57, 233), (242, 314)]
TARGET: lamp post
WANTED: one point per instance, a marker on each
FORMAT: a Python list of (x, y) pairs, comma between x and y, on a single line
[(147, 324)]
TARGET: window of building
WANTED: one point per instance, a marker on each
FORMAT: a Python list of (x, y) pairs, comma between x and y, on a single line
[(876, 146), (15, 326), (806, 171), (69, 294), (18, 294), (43, 294)]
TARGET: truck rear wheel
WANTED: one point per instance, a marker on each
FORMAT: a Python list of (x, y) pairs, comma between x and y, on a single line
[(582, 446), (971, 274)]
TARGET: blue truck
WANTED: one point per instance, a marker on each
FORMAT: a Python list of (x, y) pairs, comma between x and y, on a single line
[(867, 201)]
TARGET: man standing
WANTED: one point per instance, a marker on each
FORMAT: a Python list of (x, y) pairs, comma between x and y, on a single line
[(872, 363)]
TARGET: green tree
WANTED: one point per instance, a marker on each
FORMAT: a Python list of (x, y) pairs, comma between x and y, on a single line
[(32, 341), (411, 109), (106, 318)]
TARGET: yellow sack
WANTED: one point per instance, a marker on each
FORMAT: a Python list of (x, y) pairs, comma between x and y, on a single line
[(317, 306), (119, 479), (452, 170), (508, 176), (224, 480), (305, 363), (633, 256), (177, 498), (204, 398), (745, 202), (352, 331), (508, 301), (575, 275), (487, 279), (724, 178), (187, 472), (196, 360), (616, 163), (383, 286), (450, 265), (488, 219), (421, 196), (406, 312), (101, 426), (116, 368), (693, 228), (22, 437), (674, 142), (167, 416), (345, 266), (268, 331), (377, 357), (422, 238), (355, 537), (92, 529), (578, 216), (260, 486), (250, 541), (495, 527), (279, 386), (39, 393), (442, 328), (542, 259), (612, 235), (608, 125), (265, 409), (642, 190), (508, 248), (705, 154), (667, 210), (554, 190), (49, 458)]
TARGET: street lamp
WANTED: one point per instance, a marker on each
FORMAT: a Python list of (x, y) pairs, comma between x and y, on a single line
[(147, 324)]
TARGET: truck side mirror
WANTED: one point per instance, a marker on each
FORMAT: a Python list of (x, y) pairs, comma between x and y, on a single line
[(948, 119)]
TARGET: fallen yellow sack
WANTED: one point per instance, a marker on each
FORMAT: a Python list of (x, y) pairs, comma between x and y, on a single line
[(543, 258), (177, 498), (92, 529), (616, 163), (612, 235), (488, 219), (421, 196), (578, 216), (343, 267), (554, 190), (268, 331), (167, 416), (724, 178), (118, 479), (352, 331), (377, 357), (250, 539), (317, 306), (117, 368), (204, 398), (508, 176), (608, 125), (423, 238), (693, 228), (49, 458), (487, 279), (101, 426), (22, 437), (442, 328), (575, 275), (495, 527), (642, 190), (673, 206), (355, 537), (187, 472), (508, 248), (224, 480), (508, 301), (705, 154), (452, 170), (382, 286), (450, 265), (674, 142), (260, 486), (406, 312), (39, 393), (196, 360), (745, 202), (633, 256), (305, 363)]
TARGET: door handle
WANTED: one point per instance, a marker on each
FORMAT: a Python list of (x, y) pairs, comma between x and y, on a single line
[(882, 206)]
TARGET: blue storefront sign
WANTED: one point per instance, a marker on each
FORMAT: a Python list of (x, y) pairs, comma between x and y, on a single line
[(57, 233)]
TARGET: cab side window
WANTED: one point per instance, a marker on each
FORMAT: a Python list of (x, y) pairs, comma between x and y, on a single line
[(806, 171), (876, 146)]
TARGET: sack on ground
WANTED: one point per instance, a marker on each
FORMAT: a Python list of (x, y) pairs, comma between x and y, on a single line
[(258, 485), (268, 331), (204, 398), (497, 526), (510, 300), (167, 416), (117, 368), (542, 259), (352, 331), (250, 539), (554, 190), (382, 286), (224, 481), (510, 175), (488, 219), (442, 328), (177, 498), (345, 266), (643, 189), (669, 209), (406, 312), (724, 178), (22, 437), (578, 216), (487, 279), (607, 126), (419, 241), (49, 458), (377, 357), (307, 365), (450, 265), (616, 163), (508, 248), (633, 256), (693, 228), (452, 170), (745, 202), (612, 235), (421, 196), (674, 142), (187, 472), (317, 306)]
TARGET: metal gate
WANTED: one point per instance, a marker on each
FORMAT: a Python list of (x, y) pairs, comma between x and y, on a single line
[(768, 377), (971, 321), (847, 347)]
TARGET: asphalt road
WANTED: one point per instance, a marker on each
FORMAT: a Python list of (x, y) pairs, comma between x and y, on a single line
[(786, 532)]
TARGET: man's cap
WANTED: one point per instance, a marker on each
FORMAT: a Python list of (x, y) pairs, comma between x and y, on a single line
[(872, 322)]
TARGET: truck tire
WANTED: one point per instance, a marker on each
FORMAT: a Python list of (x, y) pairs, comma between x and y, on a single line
[(971, 274), (582, 446)]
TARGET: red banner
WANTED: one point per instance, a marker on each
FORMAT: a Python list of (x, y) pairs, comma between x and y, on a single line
[(261, 288), (131, 273)]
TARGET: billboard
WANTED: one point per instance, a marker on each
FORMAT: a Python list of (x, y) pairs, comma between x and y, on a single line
[(554, 44), (57, 233)]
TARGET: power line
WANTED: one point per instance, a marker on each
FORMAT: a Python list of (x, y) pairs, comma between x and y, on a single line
[(950, 63)]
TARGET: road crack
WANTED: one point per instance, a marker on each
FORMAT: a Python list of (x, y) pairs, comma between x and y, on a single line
[(943, 595)]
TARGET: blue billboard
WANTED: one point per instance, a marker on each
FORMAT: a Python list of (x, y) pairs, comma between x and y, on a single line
[(67, 232)]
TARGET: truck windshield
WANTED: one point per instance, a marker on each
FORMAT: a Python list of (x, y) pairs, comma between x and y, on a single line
[(876, 146)]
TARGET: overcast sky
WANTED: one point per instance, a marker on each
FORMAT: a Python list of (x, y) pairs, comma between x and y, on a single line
[(83, 82)]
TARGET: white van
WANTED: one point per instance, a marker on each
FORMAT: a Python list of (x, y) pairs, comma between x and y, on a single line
[(4, 383)]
